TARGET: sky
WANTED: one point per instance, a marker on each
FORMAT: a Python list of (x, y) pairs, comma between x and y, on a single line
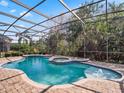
[(49, 7)]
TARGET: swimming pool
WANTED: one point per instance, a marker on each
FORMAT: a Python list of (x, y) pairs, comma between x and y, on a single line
[(40, 70)]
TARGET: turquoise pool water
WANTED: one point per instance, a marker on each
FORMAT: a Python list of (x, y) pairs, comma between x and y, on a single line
[(40, 70)]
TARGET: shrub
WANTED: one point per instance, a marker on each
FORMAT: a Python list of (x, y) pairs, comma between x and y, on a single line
[(8, 54), (17, 53)]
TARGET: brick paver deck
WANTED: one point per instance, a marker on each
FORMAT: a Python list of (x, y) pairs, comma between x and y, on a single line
[(12, 82)]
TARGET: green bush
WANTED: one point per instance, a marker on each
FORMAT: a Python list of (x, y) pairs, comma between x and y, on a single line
[(17, 53), (15, 47), (7, 54)]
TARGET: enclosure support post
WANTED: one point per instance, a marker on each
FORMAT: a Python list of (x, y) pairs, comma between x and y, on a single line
[(107, 45)]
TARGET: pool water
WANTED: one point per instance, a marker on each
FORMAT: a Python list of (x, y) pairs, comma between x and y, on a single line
[(40, 70)]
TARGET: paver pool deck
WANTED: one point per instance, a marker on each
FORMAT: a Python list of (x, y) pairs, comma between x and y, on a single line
[(12, 81)]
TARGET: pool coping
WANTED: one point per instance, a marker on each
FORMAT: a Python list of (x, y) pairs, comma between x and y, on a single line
[(68, 60), (80, 81)]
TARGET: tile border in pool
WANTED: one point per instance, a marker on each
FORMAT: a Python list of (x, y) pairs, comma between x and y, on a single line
[(38, 85), (38, 55)]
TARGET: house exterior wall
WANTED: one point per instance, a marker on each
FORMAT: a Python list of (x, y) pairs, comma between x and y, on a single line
[(4, 47), (4, 43)]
